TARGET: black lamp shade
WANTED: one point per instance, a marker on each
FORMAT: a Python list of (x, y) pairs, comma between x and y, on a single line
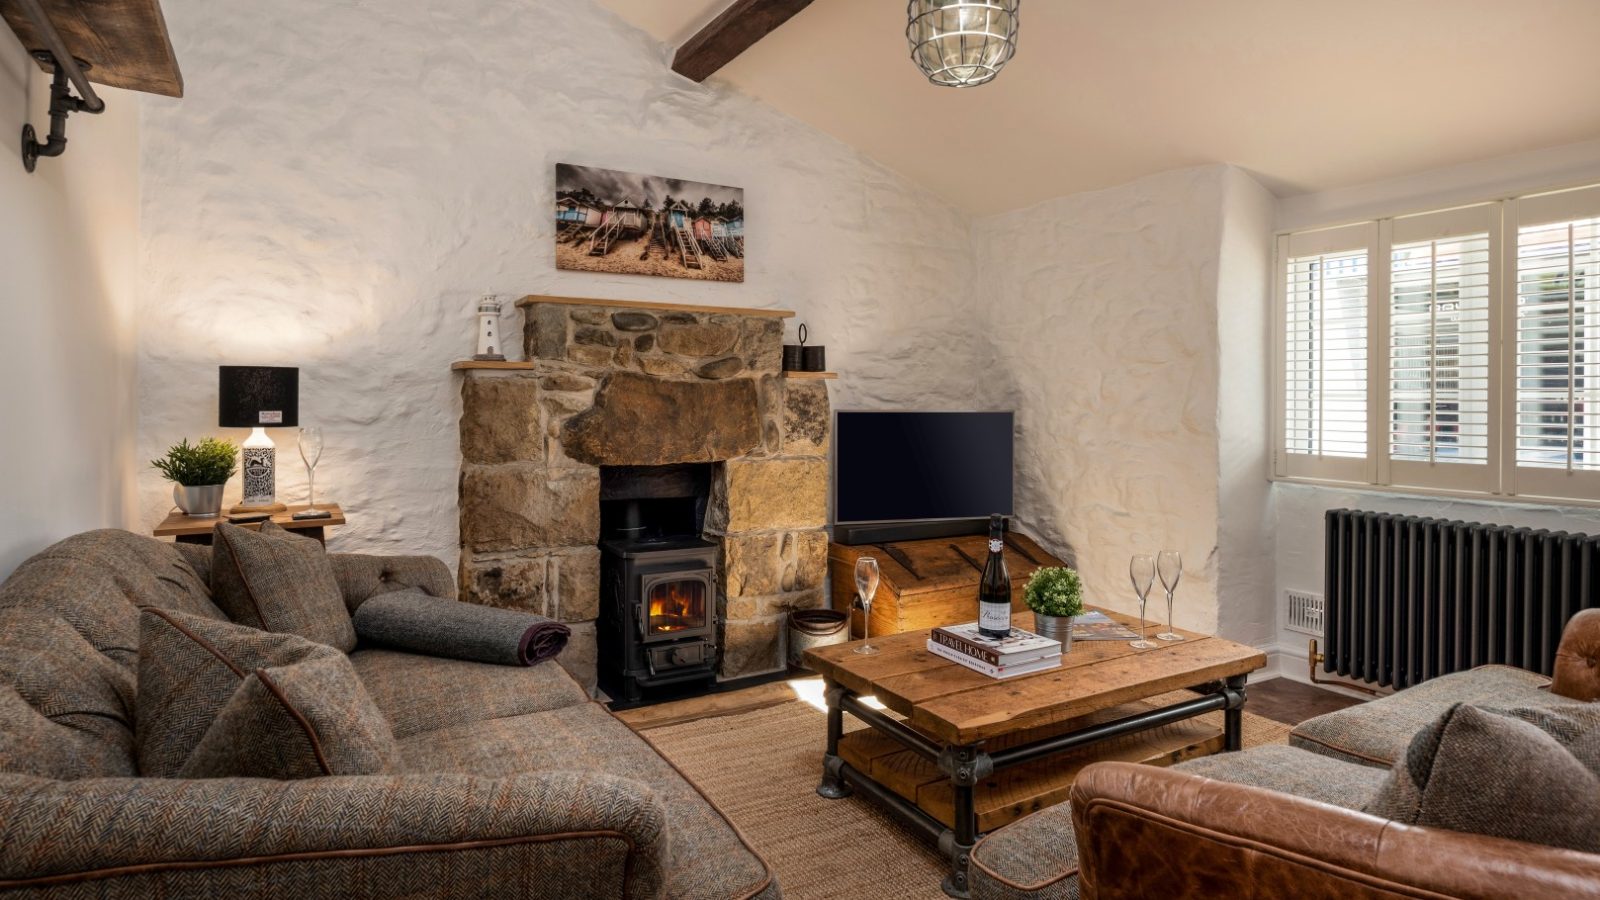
[(258, 396)]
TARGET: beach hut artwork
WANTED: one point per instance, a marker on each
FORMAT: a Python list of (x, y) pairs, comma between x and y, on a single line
[(611, 221)]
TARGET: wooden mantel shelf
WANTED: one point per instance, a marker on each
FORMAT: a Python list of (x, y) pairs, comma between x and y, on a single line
[(532, 299), (465, 364), (125, 42)]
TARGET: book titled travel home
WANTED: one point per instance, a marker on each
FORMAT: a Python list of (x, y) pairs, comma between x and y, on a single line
[(1023, 667), (1018, 645)]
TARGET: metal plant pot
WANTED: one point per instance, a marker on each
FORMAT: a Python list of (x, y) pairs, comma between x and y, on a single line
[(1057, 628), (809, 628), (203, 501)]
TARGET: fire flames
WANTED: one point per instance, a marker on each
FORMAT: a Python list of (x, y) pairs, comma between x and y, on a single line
[(677, 605)]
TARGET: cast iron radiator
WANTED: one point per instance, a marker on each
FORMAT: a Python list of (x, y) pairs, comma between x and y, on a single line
[(1409, 598)]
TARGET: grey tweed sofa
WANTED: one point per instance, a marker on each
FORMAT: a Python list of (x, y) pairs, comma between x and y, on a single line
[(1288, 821), (513, 783)]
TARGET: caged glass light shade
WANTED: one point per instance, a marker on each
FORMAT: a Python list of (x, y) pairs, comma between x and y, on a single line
[(962, 43)]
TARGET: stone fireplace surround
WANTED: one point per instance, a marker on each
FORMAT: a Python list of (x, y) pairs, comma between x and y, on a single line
[(608, 384)]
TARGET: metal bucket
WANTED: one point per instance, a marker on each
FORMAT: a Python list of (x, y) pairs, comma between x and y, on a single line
[(1056, 628), (810, 628)]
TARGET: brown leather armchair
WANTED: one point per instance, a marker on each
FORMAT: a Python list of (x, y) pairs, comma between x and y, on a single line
[(1165, 833)]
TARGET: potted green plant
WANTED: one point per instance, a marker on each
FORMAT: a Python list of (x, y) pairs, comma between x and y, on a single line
[(199, 472), (1055, 594)]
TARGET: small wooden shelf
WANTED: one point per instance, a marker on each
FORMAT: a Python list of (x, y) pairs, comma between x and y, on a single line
[(491, 364), (125, 42), (532, 299), (813, 375)]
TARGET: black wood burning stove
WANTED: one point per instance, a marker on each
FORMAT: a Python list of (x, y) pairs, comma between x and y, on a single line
[(657, 633)]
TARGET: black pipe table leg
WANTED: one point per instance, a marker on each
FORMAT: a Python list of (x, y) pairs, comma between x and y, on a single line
[(833, 786), (1233, 714), (966, 766)]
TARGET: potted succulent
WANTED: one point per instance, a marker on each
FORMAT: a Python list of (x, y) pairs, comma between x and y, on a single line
[(1055, 594), (200, 471)]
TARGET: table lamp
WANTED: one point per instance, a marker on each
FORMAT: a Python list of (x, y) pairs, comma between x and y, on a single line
[(258, 398)]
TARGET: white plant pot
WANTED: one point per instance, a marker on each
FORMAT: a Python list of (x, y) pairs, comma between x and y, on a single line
[(203, 501)]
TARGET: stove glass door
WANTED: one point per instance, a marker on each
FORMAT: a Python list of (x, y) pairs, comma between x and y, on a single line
[(676, 605)]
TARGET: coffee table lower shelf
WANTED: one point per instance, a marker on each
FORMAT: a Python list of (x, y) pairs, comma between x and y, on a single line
[(953, 795)]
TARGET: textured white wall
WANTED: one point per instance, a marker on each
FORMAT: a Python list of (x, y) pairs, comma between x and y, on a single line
[(1245, 611), (68, 273), (345, 178), (1105, 331)]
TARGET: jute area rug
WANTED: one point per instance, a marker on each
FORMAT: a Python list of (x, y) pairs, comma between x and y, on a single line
[(761, 767)]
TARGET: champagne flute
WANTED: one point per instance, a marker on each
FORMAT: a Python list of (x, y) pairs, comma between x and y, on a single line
[(310, 452), (1142, 571), (1170, 565), (866, 586)]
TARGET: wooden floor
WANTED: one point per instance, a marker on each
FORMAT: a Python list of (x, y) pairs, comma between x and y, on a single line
[(1281, 700)]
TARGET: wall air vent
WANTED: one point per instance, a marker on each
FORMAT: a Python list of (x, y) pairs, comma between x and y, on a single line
[(1303, 612)]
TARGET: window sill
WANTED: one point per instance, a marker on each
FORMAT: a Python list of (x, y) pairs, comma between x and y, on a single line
[(1422, 493)]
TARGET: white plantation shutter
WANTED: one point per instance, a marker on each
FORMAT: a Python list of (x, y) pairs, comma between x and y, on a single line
[(1555, 420), (1438, 321), (1325, 315)]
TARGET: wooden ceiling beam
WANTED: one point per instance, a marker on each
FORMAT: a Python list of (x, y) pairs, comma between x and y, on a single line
[(731, 33)]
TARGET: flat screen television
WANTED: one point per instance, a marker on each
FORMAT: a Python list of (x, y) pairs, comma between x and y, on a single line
[(905, 475)]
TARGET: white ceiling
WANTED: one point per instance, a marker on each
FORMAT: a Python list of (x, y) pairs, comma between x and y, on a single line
[(1305, 94)]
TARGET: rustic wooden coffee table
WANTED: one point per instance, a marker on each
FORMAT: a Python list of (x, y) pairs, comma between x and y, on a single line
[(973, 752)]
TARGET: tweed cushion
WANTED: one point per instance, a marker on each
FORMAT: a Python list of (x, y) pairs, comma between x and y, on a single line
[(707, 857), (303, 720), (277, 581), (1034, 858), (424, 693), (1377, 733), (563, 835), (1485, 772), (189, 669), (1292, 771)]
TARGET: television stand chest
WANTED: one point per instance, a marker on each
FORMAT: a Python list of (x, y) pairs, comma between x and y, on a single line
[(932, 582)]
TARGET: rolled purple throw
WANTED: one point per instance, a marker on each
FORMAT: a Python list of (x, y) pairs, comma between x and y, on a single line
[(433, 626)]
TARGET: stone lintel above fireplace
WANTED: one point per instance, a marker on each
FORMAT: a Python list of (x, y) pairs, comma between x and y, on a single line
[(624, 385)]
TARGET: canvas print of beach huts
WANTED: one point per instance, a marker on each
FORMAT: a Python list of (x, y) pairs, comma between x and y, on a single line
[(610, 221)]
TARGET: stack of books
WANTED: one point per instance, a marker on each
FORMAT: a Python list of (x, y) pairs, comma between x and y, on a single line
[(1019, 653)]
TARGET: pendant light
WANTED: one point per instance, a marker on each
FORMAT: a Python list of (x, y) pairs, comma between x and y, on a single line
[(961, 43)]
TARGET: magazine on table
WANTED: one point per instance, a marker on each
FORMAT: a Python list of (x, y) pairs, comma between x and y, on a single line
[(1097, 626), (1016, 646), (1023, 667)]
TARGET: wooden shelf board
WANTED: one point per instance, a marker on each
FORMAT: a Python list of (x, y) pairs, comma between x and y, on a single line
[(491, 364), (532, 299), (125, 42), (812, 375)]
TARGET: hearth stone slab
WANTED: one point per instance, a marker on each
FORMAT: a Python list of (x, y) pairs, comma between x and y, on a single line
[(641, 421), (500, 420), (520, 506), (561, 584), (765, 494)]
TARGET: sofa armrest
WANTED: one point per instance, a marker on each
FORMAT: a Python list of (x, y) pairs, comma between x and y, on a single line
[(525, 835), (362, 576), (1153, 832), (1577, 669)]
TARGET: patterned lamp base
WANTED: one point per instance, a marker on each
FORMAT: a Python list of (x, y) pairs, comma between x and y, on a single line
[(260, 464)]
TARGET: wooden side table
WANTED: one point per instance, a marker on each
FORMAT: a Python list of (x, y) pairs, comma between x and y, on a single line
[(192, 530)]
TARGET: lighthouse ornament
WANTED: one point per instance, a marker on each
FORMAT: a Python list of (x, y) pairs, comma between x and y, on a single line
[(489, 329)]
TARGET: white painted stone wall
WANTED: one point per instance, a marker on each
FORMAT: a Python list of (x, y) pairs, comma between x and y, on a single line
[(1105, 323), (345, 178), (68, 274)]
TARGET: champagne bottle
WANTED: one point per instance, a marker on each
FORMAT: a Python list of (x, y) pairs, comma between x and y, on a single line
[(994, 589)]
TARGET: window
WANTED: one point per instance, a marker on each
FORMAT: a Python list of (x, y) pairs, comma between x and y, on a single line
[(1392, 370)]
